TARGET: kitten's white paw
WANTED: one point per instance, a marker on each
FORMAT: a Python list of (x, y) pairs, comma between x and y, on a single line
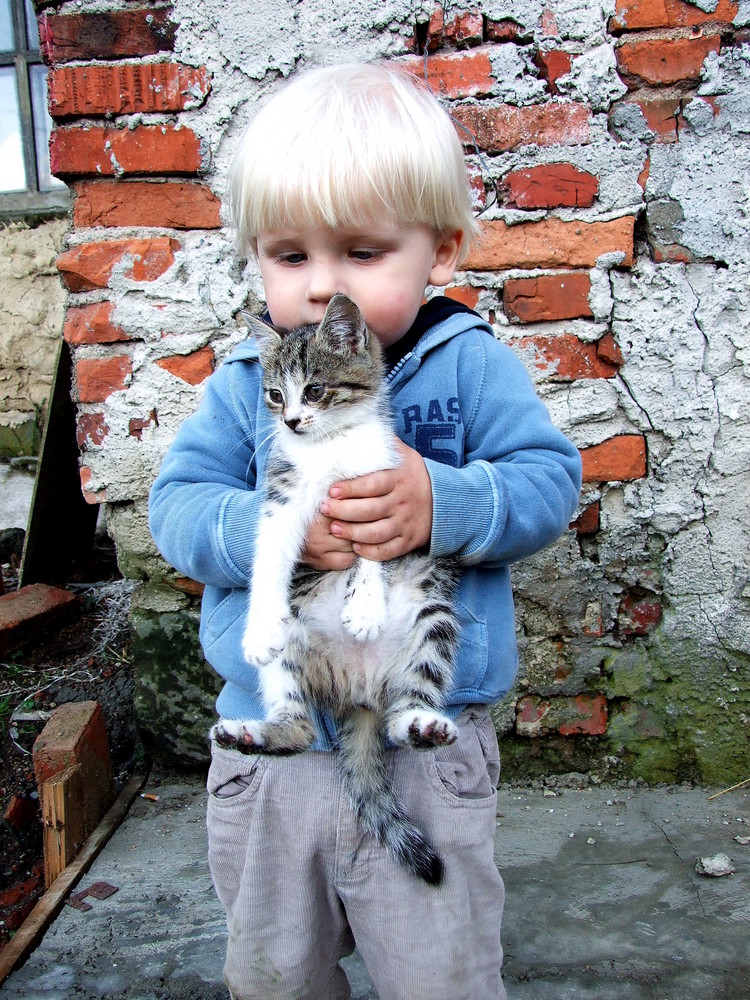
[(264, 637), (364, 612), (238, 734), (421, 729)]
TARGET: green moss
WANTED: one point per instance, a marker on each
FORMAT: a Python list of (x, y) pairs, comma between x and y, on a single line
[(175, 689), (21, 439)]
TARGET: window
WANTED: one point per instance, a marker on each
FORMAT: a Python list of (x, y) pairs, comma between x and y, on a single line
[(26, 185)]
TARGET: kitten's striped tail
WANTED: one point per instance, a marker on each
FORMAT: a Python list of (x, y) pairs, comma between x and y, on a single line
[(362, 754)]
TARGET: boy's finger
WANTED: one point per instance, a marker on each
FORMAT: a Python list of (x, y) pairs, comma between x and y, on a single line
[(356, 511), (374, 484)]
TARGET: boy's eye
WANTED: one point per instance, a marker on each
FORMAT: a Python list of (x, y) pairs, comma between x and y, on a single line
[(276, 396), (364, 254), (314, 393), (292, 257)]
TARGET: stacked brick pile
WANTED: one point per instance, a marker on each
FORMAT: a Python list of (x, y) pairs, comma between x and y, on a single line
[(559, 131)]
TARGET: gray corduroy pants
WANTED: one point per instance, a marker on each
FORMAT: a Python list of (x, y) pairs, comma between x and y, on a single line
[(301, 882)]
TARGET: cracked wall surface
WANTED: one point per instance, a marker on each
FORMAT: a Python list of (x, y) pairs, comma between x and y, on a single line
[(610, 170)]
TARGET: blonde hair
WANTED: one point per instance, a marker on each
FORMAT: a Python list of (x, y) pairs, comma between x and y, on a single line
[(344, 144)]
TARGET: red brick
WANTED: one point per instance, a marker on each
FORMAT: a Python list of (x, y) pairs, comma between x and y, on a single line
[(549, 243), (109, 152), (191, 368), (638, 14), (463, 293), (137, 425), (459, 74), (89, 495), (27, 612), (76, 734), (587, 522), (91, 429), (172, 205), (90, 265), (20, 813), (619, 459), (97, 378), (92, 325), (589, 716), (187, 586), (554, 63), (608, 350), (566, 358), (662, 117), (551, 185), (464, 29), (504, 127), (110, 35), (584, 715), (638, 616), (127, 88), (547, 297), (665, 60), (505, 30)]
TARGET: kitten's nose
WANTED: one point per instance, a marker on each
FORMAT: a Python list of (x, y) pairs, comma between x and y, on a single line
[(292, 422)]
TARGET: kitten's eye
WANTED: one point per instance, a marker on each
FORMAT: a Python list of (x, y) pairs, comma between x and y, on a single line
[(276, 396), (314, 393)]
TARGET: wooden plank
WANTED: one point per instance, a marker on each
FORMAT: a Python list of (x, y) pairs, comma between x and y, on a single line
[(34, 927), (63, 819)]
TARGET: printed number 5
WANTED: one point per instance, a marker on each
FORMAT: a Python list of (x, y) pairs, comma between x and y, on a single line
[(427, 433)]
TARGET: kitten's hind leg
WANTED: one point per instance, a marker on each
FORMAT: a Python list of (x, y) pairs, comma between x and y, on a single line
[(413, 718), (287, 728)]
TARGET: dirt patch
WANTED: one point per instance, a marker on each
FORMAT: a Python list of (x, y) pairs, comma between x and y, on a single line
[(88, 660)]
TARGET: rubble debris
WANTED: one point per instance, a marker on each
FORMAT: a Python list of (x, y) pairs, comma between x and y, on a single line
[(715, 866)]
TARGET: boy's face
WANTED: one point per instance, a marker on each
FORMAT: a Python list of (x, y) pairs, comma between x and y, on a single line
[(383, 265)]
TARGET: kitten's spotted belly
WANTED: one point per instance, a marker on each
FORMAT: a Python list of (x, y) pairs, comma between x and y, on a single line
[(359, 667)]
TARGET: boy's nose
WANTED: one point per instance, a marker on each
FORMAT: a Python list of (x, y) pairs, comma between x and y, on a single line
[(323, 284)]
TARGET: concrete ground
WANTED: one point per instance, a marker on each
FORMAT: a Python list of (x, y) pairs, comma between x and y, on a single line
[(604, 902)]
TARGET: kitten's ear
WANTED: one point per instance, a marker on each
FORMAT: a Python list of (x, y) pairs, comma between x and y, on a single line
[(266, 336), (343, 326)]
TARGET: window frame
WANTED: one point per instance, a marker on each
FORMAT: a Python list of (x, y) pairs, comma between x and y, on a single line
[(31, 201)]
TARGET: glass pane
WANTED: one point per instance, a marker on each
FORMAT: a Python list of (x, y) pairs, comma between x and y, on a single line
[(6, 27), (42, 128), (12, 172), (32, 28)]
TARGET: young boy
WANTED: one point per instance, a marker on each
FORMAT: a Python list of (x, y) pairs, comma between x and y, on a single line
[(352, 180)]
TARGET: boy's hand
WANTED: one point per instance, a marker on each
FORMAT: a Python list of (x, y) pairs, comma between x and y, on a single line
[(384, 514)]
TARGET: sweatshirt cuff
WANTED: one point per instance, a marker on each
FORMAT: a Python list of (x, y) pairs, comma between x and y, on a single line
[(238, 518), (466, 508)]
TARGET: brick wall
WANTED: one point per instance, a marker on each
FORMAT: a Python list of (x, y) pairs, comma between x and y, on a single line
[(606, 146)]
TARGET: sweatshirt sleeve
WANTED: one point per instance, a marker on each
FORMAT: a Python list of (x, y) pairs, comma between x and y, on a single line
[(203, 506), (518, 487)]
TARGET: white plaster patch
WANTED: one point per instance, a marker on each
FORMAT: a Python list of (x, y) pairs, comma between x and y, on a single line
[(593, 78)]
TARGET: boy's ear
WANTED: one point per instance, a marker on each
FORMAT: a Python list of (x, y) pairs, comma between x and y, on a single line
[(263, 333), (447, 250)]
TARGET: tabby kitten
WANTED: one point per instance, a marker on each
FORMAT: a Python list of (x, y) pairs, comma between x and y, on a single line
[(374, 645)]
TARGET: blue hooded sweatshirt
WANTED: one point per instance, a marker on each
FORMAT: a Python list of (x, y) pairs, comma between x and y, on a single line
[(505, 484)]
